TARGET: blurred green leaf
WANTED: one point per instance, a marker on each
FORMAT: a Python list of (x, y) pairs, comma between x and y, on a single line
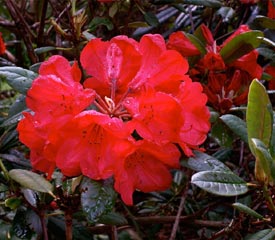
[(20, 225), (113, 9), (236, 125), (18, 78), (204, 162), (265, 22), (44, 49), (241, 45), (151, 19), (31, 180), (137, 24), (97, 199), (196, 42), (98, 21), (243, 208), (266, 234), (113, 218), (220, 183), (13, 202)]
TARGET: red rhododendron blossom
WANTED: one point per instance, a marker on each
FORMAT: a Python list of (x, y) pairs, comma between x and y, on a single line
[(226, 84), (2, 45), (271, 9), (137, 107)]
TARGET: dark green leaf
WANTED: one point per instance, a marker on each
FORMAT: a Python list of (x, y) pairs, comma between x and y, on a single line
[(18, 78), (241, 45), (243, 208), (31, 180), (222, 135), (137, 24), (266, 234), (113, 218), (113, 9), (98, 21), (220, 183), (237, 125), (20, 225), (97, 199), (151, 19), (259, 116), (204, 162), (18, 106), (267, 53), (265, 22)]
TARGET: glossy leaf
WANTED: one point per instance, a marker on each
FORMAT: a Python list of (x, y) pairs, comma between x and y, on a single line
[(243, 208), (236, 125), (18, 78), (222, 135), (259, 115), (31, 180), (266, 234), (97, 199), (241, 45), (220, 183), (151, 19), (204, 162)]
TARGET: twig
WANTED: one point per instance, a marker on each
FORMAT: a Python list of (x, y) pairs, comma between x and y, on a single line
[(176, 223)]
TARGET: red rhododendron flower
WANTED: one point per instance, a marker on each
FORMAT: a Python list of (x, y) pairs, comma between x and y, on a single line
[(271, 9), (226, 84), (2, 45), (137, 104)]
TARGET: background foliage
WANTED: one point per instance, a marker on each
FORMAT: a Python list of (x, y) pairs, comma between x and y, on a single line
[(227, 192)]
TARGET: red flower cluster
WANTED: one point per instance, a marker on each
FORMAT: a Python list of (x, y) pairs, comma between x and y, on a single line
[(225, 84), (2, 45), (124, 121)]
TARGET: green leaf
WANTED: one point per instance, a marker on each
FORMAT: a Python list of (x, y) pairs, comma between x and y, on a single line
[(265, 22), (265, 165), (44, 49), (18, 106), (206, 3), (31, 180), (236, 125), (204, 162), (97, 199), (220, 183), (222, 135), (241, 45), (266, 234), (151, 19), (97, 21), (113, 9), (13, 202), (259, 115), (113, 218), (196, 42), (243, 208), (137, 24), (18, 78)]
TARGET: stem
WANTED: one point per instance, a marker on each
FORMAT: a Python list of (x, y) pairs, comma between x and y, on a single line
[(69, 225), (268, 198), (44, 227)]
